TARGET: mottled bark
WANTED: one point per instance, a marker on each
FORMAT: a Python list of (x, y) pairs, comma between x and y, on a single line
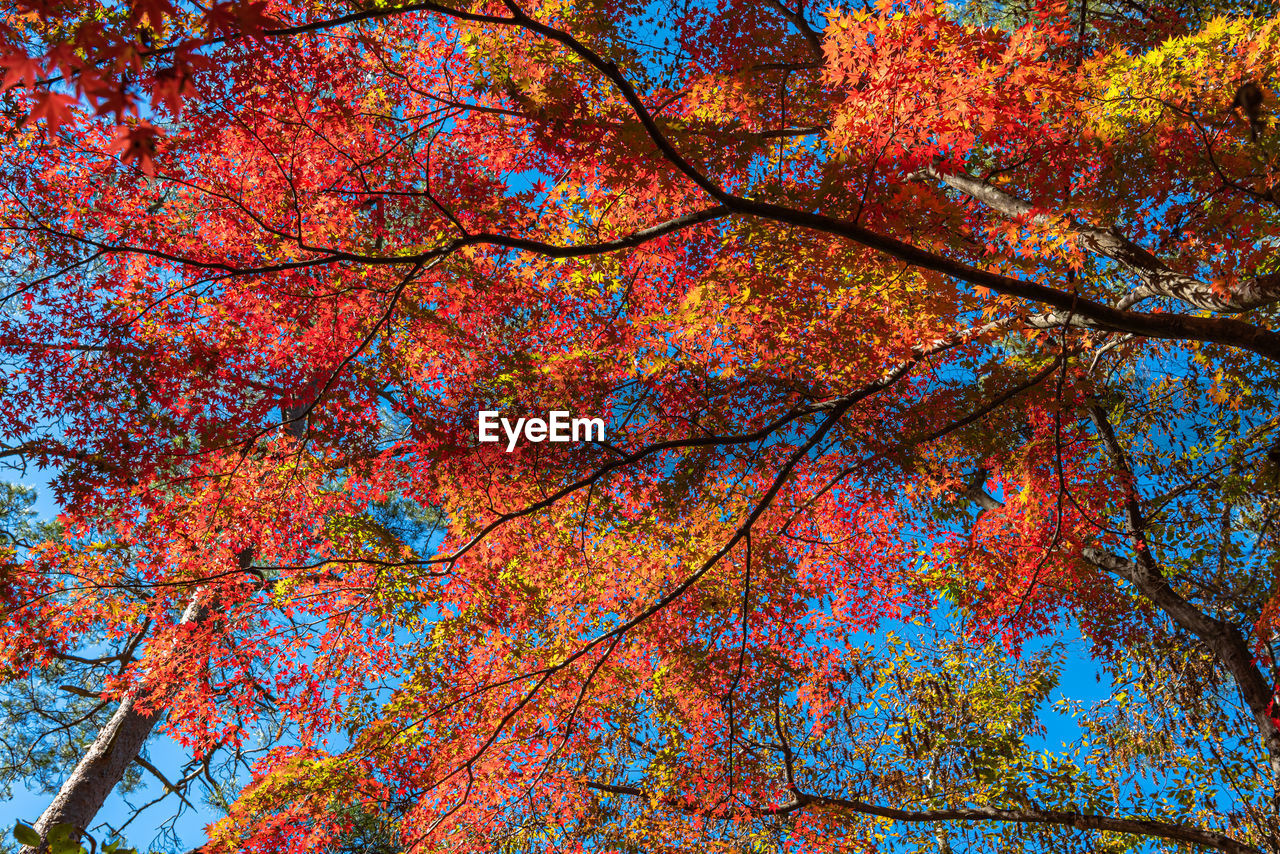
[(100, 769), (118, 744), (1223, 639)]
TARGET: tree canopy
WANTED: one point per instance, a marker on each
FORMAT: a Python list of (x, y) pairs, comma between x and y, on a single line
[(936, 347)]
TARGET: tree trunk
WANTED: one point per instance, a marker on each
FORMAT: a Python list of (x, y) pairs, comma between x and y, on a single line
[(104, 763)]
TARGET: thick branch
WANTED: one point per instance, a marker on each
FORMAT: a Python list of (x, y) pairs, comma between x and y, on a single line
[(1158, 279), (1224, 640), (118, 744), (975, 492), (1144, 827), (1218, 330), (796, 16)]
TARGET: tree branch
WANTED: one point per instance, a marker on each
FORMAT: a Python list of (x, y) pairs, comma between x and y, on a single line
[(1227, 331), (1224, 640), (1158, 279), (1144, 827)]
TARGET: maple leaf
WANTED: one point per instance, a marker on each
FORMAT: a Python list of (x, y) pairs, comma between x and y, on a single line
[(54, 108), (20, 69), (137, 145), (109, 99), (152, 12), (173, 86), (239, 16)]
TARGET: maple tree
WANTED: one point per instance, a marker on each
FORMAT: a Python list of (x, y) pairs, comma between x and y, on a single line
[(928, 337)]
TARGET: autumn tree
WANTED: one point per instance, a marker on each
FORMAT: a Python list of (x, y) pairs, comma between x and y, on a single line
[(930, 340)]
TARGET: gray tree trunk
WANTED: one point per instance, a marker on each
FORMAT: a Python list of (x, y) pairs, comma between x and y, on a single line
[(103, 765), (120, 741)]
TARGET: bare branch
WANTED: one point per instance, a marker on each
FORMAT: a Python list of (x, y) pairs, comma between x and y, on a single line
[(1145, 827)]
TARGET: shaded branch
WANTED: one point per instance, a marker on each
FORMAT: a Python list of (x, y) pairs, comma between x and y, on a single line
[(1224, 640), (1144, 827), (1227, 331), (1158, 279)]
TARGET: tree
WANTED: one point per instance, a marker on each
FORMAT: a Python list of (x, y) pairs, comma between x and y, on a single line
[(927, 338)]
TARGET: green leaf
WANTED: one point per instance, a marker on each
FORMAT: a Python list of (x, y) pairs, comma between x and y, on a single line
[(26, 835), (64, 846)]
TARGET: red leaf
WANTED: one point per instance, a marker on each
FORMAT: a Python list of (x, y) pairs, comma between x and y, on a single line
[(153, 12), (54, 108), (247, 17), (172, 87), (20, 68), (137, 145)]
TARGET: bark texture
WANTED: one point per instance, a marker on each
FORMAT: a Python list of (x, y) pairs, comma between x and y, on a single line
[(118, 744)]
